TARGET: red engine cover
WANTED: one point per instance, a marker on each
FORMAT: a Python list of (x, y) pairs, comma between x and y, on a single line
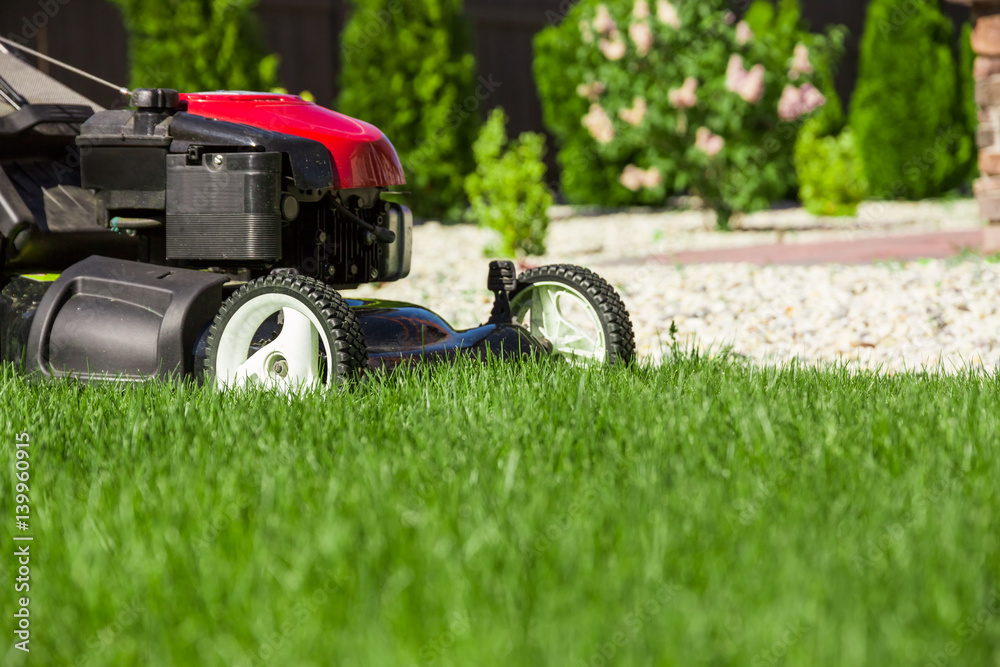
[(363, 156)]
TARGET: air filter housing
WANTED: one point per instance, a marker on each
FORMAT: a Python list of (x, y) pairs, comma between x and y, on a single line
[(224, 207)]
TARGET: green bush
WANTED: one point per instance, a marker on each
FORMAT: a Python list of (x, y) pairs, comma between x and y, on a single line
[(829, 172), (780, 25), (197, 45), (408, 68), (967, 82), (648, 99), (831, 175), (507, 191), (908, 112)]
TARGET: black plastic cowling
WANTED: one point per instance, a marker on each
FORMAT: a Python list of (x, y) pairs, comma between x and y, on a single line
[(156, 99), (112, 319), (312, 166), (153, 106)]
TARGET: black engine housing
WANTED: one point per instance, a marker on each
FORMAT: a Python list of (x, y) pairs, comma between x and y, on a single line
[(224, 207)]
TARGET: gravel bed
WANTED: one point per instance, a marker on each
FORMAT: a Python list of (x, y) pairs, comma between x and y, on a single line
[(889, 316)]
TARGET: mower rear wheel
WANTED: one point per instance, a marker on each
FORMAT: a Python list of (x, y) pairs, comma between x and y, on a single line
[(284, 333), (575, 313)]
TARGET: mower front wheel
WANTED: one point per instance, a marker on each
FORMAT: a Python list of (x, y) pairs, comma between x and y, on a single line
[(575, 313), (284, 333)]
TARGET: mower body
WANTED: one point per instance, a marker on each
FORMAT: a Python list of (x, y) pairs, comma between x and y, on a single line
[(122, 231)]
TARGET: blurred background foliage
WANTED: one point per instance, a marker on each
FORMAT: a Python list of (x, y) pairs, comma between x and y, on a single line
[(909, 113), (197, 45), (408, 68), (646, 100), (507, 191), (704, 103), (829, 172)]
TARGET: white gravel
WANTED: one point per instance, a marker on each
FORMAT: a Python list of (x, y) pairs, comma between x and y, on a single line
[(889, 316)]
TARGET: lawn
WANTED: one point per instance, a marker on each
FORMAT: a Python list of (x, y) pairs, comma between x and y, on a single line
[(708, 512)]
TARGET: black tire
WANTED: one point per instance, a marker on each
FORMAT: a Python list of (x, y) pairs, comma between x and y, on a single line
[(340, 339), (607, 305)]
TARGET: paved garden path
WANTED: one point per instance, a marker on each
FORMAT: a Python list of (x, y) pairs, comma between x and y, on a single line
[(937, 245)]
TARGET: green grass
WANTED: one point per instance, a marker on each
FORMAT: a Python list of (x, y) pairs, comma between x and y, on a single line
[(705, 513)]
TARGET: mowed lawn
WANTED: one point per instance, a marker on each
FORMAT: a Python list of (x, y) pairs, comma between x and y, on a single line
[(703, 513)]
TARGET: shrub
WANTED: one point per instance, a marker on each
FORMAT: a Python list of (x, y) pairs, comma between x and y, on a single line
[(967, 81), (507, 191), (780, 25), (828, 169), (197, 45), (648, 99), (408, 68), (830, 172), (908, 114)]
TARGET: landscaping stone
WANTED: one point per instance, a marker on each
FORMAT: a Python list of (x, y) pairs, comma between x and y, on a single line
[(986, 66), (988, 91), (989, 161), (987, 191), (986, 35), (986, 44), (943, 313), (986, 135), (989, 206)]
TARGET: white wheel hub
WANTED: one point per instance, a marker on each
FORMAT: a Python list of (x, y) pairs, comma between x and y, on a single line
[(565, 318), (289, 363)]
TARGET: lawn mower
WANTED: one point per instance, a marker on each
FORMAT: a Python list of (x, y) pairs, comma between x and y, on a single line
[(211, 235)]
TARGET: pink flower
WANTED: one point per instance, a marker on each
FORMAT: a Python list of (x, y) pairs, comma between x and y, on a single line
[(635, 115), (797, 102), (711, 143), (800, 63), (641, 10), (686, 96), (753, 85), (668, 14), (604, 24), (788, 105), (614, 48), (635, 178), (632, 178), (599, 124), (642, 35), (729, 17), (812, 97), (735, 73), (592, 91), (743, 33), (747, 84), (586, 32)]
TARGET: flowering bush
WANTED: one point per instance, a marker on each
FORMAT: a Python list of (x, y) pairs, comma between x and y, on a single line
[(650, 98), (830, 174)]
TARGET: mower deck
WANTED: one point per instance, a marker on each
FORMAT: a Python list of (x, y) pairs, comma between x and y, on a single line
[(208, 236), (396, 334)]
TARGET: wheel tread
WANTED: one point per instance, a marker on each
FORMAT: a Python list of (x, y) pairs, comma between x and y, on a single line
[(347, 340), (620, 334)]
